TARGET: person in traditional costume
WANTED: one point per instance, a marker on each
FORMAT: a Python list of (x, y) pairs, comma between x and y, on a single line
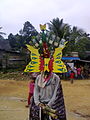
[(47, 102)]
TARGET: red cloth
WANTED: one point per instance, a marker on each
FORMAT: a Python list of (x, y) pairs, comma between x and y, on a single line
[(50, 65), (46, 50), (78, 71), (41, 66), (31, 87), (29, 97), (31, 90), (71, 75)]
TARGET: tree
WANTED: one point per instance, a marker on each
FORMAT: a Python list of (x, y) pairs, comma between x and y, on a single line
[(78, 39), (12, 41), (59, 28), (76, 35), (1, 37), (2, 33), (18, 41), (82, 46), (27, 32)]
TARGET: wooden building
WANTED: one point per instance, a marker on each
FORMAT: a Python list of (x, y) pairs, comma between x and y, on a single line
[(11, 59)]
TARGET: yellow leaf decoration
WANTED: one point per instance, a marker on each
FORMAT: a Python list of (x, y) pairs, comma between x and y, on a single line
[(58, 65), (33, 65), (43, 27)]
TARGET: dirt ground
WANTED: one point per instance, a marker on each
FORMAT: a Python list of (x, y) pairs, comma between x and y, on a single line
[(13, 98)]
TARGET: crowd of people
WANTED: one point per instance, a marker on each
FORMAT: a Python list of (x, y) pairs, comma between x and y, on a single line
[(45, 97), (77, 72), (80, 72)]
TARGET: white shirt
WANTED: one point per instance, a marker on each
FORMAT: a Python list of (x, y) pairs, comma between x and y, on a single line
[(47, 93)]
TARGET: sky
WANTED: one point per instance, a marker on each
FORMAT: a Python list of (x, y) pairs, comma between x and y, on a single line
[(14, 13)]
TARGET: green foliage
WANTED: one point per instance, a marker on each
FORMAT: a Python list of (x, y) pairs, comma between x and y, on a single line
[(2, 33), (78, 40), (58, 33), (12, 40), (59, 28), (18, 41), (82, 46)]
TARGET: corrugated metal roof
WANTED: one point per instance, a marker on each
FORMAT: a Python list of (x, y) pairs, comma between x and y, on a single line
[(85, 61), (70, 58)]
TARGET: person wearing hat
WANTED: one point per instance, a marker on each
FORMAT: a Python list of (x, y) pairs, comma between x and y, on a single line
[(48, 100)]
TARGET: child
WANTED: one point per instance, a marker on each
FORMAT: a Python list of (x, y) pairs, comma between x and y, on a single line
[(31, 86), (72, 74), (78, 73), (31, 90)]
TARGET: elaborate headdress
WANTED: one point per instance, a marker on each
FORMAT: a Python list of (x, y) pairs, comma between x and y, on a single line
[(46, 53)]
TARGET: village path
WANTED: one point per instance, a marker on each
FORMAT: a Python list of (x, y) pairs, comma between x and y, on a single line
[(13, 98), (13, 108)]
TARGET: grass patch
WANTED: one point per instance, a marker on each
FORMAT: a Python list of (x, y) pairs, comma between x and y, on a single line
[(14, 75)]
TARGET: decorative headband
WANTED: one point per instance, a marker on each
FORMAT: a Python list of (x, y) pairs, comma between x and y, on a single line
[(46, 53)]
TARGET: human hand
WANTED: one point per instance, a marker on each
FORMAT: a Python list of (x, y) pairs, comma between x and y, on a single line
[(42, 105)]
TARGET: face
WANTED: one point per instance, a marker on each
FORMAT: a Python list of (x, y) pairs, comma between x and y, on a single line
[(46, 74)]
